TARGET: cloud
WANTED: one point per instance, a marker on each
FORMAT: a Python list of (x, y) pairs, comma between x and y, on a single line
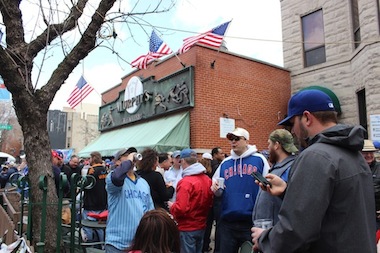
[(255, 25), (255, 31), (100, 77)]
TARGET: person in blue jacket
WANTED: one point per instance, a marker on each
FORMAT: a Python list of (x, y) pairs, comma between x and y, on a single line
[(239, 193)]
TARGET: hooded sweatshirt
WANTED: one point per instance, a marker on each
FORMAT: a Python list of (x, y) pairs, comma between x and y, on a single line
[(240, 190), (194, 199), (328, 205), (268, 206)]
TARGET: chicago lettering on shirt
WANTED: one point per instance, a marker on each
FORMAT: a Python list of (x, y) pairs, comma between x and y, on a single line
[(247, 170), (137, 195)]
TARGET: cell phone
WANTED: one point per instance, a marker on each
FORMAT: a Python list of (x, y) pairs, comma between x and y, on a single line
[(257, 175)]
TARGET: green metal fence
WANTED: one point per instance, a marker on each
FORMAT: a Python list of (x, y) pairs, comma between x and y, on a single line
[(67, 235)]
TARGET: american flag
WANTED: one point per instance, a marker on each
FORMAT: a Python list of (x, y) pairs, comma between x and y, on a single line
[(157, 49), (80, 92), (211, 38)]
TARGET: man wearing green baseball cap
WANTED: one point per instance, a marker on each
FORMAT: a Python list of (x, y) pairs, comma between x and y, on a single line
[(281, 155)]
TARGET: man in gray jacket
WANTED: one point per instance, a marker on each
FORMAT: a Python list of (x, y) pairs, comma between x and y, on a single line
[(329, 202), (281, 155)]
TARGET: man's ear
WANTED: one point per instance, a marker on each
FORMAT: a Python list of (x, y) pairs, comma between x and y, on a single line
[(308, 118)]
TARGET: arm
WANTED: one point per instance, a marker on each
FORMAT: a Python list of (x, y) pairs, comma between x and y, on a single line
[(120, 173), (182, 204), (313, 174)]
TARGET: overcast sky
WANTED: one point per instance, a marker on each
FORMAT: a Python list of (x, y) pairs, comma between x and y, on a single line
[(255, 31)]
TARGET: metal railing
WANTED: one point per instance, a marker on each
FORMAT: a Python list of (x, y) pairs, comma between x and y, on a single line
[(72, 238)]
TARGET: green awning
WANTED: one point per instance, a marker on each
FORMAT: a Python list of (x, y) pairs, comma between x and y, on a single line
[(164, 134), (330, 93)]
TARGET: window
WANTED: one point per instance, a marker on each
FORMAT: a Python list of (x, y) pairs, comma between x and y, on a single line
[(313, 38), (51, 126), (355, 22), (362, 109)]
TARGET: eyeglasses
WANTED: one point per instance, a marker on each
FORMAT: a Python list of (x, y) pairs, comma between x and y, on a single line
[(234, 138)]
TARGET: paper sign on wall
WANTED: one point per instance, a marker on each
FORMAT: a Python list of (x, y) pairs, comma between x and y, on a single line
[(226, 126)]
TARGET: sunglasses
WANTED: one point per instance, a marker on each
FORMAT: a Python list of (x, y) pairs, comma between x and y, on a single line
[(234, 138)]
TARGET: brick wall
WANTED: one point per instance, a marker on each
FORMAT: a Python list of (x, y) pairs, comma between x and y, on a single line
[(253, 93)]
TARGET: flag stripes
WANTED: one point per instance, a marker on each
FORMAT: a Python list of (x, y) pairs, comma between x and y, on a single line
[(80, 92)]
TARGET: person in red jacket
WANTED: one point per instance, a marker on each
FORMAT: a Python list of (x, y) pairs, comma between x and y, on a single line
[(193, 202)]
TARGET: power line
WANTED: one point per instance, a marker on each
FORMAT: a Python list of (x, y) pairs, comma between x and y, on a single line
[(265, 40)]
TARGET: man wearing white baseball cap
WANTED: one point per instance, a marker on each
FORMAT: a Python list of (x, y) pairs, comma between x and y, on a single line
[(240, 191)]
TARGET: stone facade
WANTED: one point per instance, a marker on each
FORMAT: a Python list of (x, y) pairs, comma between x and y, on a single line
[(347, 69)]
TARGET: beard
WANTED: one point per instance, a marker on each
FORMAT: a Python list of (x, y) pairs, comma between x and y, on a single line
[(273, 157), (303, 137)]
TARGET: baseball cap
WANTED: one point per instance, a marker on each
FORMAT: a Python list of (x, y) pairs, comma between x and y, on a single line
[(176, 153), (124, 151), (55, 154), (376, 144), (187, 152), (285, 138), (60, 154), (207, 156), (368, 146), (239, 132), (120, 153), (307, 100)]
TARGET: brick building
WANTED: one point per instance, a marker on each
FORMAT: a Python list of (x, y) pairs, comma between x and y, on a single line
[(336, 44), (223, 90)]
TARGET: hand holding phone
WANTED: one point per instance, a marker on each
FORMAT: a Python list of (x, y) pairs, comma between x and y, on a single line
[(257, 175)]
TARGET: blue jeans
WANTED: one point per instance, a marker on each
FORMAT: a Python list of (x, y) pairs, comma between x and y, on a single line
[(191, 241), (112, 249), (93, 235), (232, 235)]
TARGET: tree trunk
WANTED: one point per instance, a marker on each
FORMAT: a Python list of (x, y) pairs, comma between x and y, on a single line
[(37, 147)]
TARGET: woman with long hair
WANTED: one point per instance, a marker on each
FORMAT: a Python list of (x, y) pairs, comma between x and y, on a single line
[(146, 168), (156, 233)]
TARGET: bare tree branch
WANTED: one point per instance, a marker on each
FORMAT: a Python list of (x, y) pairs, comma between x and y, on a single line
[(54, 30)]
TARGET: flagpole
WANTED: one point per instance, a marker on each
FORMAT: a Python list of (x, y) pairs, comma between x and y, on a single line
[(81, 98), (183, 65), (104, 102), (94, 90), (213, 63)]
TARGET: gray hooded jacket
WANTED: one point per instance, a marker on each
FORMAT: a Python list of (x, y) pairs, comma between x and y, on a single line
[(268, 206), (329, 202)]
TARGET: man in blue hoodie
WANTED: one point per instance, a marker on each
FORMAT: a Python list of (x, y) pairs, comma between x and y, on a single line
[(240, 191)]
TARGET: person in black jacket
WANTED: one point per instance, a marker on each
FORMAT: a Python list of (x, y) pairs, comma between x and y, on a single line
[(6, 171), (95, 199), (160, 192)]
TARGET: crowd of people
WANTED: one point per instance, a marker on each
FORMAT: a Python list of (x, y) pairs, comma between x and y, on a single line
[(323, 191)]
